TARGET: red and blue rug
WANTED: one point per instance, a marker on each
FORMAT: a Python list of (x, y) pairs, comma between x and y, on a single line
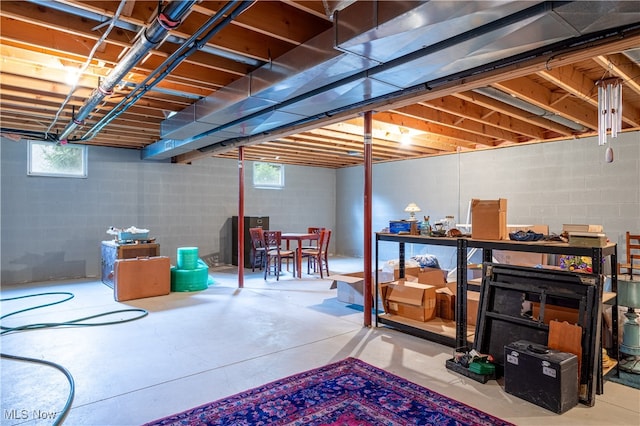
[(346, 393)]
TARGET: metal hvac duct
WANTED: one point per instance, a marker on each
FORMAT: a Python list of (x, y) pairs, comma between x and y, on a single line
[(167, 19), (326, 73), (378, 49)]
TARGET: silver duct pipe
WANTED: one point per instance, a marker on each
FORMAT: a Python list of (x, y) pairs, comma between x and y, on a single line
[(167, 19), (525, 106)]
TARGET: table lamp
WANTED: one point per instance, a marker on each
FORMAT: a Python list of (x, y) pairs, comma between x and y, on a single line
[(412, 208)]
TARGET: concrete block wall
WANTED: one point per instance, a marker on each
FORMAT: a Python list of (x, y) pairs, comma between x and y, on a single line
[(551, 183), (51, 228)]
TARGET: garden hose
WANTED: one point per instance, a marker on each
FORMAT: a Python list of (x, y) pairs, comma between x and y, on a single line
[(80, 322)]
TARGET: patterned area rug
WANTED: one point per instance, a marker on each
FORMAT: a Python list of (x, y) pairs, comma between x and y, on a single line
[(347, 393)]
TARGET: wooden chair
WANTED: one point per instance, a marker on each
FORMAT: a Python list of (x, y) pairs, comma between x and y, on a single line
[(258, 250), (632, 266), (312, 244), (275, 254), (319, 255)]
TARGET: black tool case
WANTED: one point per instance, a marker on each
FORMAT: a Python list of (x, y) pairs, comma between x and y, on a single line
[(542, 376)]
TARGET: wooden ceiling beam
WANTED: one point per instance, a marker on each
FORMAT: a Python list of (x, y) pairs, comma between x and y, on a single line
[(516, 129), (272, 152), (277, 20), (310, 151), (345, 147), (133, 140), (623, 67), (585, 89), (572, 80), (535, 64), (379, 133), (285, 149), (90, 80), (53, 42), (37, 40), (454, 137), (456, 113), (249, 156), (256, 44), (516, 113), (526, 89), (235, 39), (316, 8), (336, 140)]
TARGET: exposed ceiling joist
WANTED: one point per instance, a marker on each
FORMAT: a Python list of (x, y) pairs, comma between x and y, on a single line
[(41, 40)]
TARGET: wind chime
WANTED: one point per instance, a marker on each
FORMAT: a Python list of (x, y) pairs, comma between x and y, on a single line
[(609, 111)]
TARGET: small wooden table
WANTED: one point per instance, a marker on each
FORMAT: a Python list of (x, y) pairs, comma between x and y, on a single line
[(299, 237)]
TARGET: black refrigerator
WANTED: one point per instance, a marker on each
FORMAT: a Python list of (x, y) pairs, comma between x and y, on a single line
[(249, 222)]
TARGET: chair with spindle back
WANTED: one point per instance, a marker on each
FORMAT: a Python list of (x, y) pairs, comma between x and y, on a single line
[(318, 256), (312, 244), (632, 265), (275, 254), (258, 250)]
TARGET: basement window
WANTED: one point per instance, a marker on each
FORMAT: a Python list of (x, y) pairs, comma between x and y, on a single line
[(51, 159), (268, 175)]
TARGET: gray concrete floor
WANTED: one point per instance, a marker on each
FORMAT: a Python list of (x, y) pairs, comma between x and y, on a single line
[(197, 347)]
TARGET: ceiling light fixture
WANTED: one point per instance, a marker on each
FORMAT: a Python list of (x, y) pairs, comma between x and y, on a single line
[(72, 77), (405, 136)]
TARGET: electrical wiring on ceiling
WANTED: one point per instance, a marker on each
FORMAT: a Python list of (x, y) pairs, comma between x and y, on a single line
[(79, 322)]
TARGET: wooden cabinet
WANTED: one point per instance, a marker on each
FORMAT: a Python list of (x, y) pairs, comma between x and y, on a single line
[(249, 222), (112, 250)]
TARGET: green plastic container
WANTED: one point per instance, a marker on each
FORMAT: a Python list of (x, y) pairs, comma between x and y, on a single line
[(482, 368), (187, 257), (190, 279)]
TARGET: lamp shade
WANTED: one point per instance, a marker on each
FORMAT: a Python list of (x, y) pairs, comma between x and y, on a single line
[(412, 208)]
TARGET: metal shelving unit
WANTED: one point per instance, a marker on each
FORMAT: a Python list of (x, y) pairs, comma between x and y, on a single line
[(597, 255), (413, 327)]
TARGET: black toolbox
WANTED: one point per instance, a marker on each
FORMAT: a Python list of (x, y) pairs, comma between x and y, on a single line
[(540, 375)]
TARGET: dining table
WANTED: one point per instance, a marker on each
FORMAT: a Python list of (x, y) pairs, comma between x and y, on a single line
[(299, 237)]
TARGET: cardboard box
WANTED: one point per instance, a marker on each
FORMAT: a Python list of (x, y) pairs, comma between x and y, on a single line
[(408, 272), (473, 302), (489, 219), (445, 304), (433, 276), (519, 257), (587, 239), (554, 312), (350, 287), (573, 227), (410, 300)]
